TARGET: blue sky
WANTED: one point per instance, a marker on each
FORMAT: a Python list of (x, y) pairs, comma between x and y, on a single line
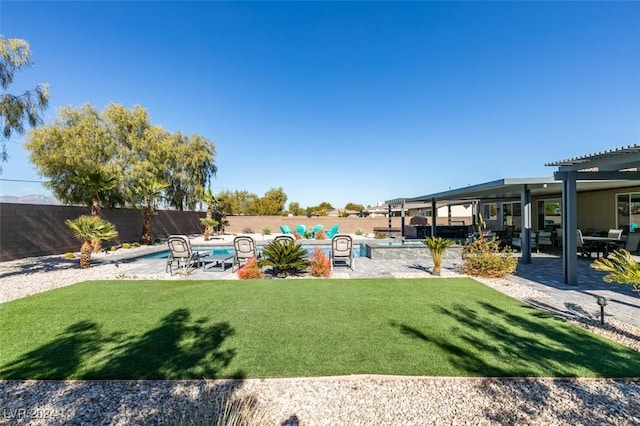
[(347, 101)]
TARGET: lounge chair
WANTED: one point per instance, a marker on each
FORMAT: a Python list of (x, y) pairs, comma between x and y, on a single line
[(181, 253), (317, 228), (301, 229), (342, 251), (632, 242), (333, 231), (245, 249), (284, 239), (285, 229)]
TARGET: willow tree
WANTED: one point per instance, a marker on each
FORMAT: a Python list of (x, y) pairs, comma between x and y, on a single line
[(77, 153), (190, 169), (15, 110)]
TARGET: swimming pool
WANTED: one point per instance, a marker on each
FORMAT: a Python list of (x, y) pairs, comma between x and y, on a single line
[(326, 249)]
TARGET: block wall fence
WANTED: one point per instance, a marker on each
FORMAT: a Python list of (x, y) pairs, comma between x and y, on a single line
[(38, 230)]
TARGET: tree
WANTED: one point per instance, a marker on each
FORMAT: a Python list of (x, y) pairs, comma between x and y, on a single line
[(88, 229), (117, 157), (354, 206), (273, 202), (191, 167), (295, 209), (15, 54)]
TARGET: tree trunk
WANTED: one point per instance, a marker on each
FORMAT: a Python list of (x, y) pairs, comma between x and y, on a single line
[(95, 206), (85, 255), (146, 224)]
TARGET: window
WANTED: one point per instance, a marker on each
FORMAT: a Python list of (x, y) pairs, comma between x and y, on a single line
[(550, 214), (490, 211), (512, 215), (628, 208)]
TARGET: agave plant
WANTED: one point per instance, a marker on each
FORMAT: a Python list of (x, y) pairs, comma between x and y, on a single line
[(437, 246), (622, 268), (87, 229), (285, 258)]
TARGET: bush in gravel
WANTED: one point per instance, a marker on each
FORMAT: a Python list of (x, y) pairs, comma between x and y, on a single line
[(250, 270), (485, 258), (213, 407), (319, 264)]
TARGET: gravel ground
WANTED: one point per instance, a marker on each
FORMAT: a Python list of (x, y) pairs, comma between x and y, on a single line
[(358, 400)]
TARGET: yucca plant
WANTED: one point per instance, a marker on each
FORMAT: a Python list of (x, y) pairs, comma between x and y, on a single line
[(87, 229), (622, 268), (284, 258), (437, 247)]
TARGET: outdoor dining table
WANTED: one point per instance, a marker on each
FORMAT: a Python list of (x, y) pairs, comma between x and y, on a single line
[(604, 243)]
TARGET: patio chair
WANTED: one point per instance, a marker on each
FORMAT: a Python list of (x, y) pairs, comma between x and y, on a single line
[(181, 253), (544, 239), (632, 242), (245, 249), (317, 228), (285, 229), (284, 239), (586, 248), (301, 229), (342, 251), (333, 231), (614, 245)]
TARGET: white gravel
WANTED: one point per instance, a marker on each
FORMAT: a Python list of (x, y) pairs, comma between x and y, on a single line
[(357, 400)]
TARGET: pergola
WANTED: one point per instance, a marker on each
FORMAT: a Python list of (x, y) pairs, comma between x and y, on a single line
[(616, 168), (619, 164)]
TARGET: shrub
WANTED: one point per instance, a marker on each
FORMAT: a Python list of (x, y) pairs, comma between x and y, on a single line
[(266, 230), (250, 270), (321, 235), (359, 231), (343, 213), (484, 258), (126, 245), (247, 230), (437, 247), (380, 235), (212, 406), (113, 248), (297, 235), (69, 255), (136, 244), (319, 264), (622, 268), (284, 258), (157, 240)]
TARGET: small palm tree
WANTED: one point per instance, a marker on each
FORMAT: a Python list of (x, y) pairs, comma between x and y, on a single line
[(209, 225), (88, 229), (622, 268), (437, 246), (284, 258)]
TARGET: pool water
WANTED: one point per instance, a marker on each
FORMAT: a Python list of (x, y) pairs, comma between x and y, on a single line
[(230, 251)]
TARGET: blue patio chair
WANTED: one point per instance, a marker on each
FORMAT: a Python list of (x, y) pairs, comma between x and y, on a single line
[(301, 229), (285, 229), (317, 228), (333, 231)]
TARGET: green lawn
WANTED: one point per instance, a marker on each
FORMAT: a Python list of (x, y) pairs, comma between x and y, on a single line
[(285, 328)]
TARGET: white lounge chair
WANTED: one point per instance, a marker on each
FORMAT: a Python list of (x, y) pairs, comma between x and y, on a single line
[(342, 251), (181, 253)]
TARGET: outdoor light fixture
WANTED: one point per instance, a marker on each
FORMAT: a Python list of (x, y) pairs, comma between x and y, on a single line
[(602, 301)]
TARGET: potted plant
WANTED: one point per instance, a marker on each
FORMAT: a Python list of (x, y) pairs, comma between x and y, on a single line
[(437, 246)]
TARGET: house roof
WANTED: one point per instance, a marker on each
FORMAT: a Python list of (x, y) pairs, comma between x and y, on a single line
[(511, 188), (626, 157)]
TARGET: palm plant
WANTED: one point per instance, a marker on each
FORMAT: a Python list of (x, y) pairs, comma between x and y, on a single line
[(284, 258), (437, 246), (87, 229), (209, 225), (622, 268)]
